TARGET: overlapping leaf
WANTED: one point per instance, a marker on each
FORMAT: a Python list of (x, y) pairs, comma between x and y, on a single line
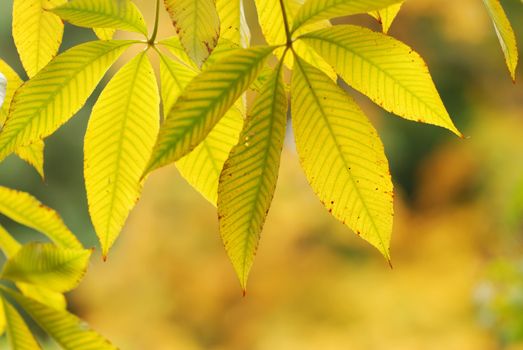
[(387, 15), (233, 24), (385, 69), (316, 10), (104, 33), (67, 330), (505, 34), (175, 47), (342, 156), (46, 265), (37, 32), (56, 93), (205, 100), (27, 210), (249, 176), (3, 88), (121, 14), (197, 24), (120, 136), (18, 334)]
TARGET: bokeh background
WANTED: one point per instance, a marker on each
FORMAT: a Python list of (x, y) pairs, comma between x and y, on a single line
[(457, 281)]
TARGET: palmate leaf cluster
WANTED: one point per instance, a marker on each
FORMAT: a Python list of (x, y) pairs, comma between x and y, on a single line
[(197, 116)]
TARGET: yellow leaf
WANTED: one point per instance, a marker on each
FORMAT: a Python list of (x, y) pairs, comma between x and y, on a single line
[(174, 46), (505, 34), (204, 102), (174, 77), (37, 32), (386, 70), (249, 176), (118, 143), (18, 334), (27, 210), (33, 154), (197, 24), (57, 92), (387, 15), (233, 24), (104, 33), (110, 14), (342, 156)]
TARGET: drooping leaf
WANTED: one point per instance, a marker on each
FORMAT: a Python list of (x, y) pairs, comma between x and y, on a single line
[(505, 34), (174, 46), (104, 33), (249, 176), (56, 93), (37, 32), (18, 334), (48, 266), (27, 210), (197, 24), (10, 247), (386, 70), (316, 10), (205, 100), (66, 329), (233, 24), (118, 143), (121, 14), (342, 156), (387, 15)]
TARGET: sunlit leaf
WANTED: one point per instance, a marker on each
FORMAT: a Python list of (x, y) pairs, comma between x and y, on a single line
[(383, 68), (3, 89), (121, 14), (205, 100), (174, 76), (233, 24), (18, 334), (249, 176), (67, 330), (27, 210), (37, 32), (387, 15), (174, 46), (342, 156), (46, 265), (316, 10), (118, 143), (505, 34), (33, 154), (104, 33), (197, 24), (57, 92)]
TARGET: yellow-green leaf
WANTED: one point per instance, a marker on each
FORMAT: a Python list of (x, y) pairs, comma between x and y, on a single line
[(505, 34), (121, 14), (70, 332), (174, 77), (342, 156), (33, 154), (249, 176), (10, 83), (316, 10), (205, 100), (48, 266), (18, 334), (8, 244), (57, 92), (197, 24), (386, 70), (2, 318), (233, 24), (118, 143), (387, 15), (104, 33), (27, 210), (37, 32), (174, 46)]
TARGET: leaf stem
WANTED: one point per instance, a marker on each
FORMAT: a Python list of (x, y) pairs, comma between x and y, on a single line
[(156, 22), (286, 23)]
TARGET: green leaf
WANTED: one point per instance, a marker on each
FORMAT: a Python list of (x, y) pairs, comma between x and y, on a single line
[(387, 15), (121, 14), (46, 265), (505, 34), (205, 100), (233, 24), (67, 330), (37, 33), (104, 33), (316, 10), (119, 140), (342, 156), (386, 70), (249, 176), (197, 24), (56, 93), (27, 210), (18, 334)]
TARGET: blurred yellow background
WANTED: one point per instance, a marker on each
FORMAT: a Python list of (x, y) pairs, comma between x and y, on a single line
[(457, 281)]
